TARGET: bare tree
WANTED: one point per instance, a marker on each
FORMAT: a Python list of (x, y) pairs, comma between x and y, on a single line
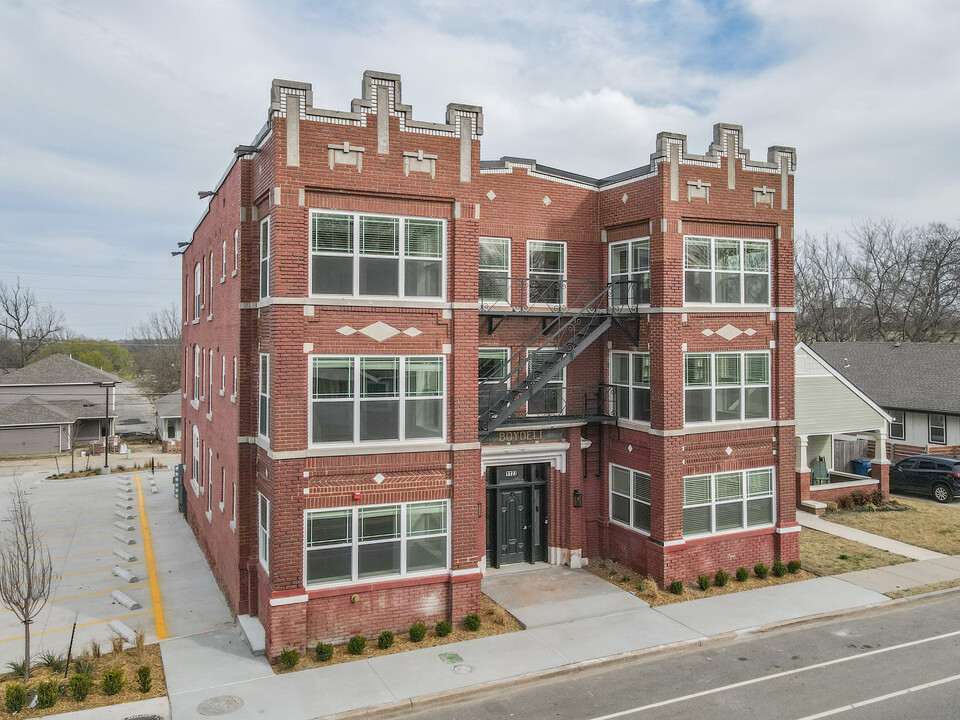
[(829, 302), (31, 325), (26, 575), (157, 344)]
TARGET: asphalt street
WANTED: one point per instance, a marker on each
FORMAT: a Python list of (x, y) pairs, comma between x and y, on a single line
[(895, 665)]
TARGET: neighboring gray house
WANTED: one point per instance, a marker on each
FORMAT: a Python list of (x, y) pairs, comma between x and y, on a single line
[(918, 384), (168, 416), (54, 403)]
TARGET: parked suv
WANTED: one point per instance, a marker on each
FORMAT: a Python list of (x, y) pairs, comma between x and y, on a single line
[(934, 475)]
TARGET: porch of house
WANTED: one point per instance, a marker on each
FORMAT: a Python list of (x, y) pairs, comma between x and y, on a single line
[(827, 466)]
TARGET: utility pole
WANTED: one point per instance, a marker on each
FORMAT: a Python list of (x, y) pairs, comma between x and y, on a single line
[(106, 424)]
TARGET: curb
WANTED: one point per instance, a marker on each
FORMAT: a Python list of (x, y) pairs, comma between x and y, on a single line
[(422, 702)]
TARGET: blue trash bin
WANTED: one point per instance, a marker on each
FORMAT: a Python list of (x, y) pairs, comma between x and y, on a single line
[(862, 467)]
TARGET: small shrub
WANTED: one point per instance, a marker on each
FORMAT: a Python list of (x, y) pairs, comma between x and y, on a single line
[(703, 582), (876, 498), (742, 574), (385, 640), (289, 658), (116, 643), (80, 685), (16, 668), (761, 571), (356, 645), (418, 631), (83, 665), (793, 566), (48, 692), (603, 566), (443, 628), (472, 622), (870, 507), (831, 506), (15, 697), (676, 587), (324, 651), (858, 498), (779, 569), (624, 578), (143, 678), (113, 681), (845, 503), (95, 649), (55, 662), (721, 578)]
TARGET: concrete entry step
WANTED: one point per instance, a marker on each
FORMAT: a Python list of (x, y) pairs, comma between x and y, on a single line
[(813, 506), (252, 631)]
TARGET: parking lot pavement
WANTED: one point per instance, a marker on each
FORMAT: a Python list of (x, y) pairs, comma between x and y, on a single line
[(176, 592)]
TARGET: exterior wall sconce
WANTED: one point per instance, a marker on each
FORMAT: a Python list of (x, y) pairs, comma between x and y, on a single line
[(577, 499)]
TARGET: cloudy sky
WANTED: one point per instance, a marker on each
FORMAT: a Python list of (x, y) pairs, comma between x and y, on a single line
[(114, 113)]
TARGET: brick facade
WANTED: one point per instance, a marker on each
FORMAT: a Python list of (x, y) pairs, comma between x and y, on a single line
[(378, 159)]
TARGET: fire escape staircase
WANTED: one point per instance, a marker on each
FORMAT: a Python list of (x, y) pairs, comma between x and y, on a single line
[(546, 356)]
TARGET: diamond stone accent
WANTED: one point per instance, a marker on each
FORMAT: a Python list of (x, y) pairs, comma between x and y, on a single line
[(729, 332), (708, 332), (412, 332), (749, 332), (491, 196), (729, 450), (379, 478), (624, 198), (379, 331), (346, 330), (629, 448), (547, 200)]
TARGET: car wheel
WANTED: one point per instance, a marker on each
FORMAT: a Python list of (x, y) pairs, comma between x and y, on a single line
[(941, 493)]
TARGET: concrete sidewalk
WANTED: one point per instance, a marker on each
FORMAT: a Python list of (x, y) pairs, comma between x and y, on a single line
[(878, 541)]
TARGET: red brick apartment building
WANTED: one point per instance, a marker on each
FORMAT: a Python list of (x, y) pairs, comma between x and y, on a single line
[(405, 365)]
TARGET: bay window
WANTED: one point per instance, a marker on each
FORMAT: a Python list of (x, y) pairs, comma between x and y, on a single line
[(353, 254), (546, 270), (727, 501), (726, 271), (373, 398), (630, 376), (725, 387), (371, 542), (630, 498), (630, 272), (494, 265)]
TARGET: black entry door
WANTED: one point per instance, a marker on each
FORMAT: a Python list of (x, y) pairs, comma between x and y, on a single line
[(513, 526)]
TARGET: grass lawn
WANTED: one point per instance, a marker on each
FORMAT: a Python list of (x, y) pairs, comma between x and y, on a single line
[(823, 554), (924, 524)]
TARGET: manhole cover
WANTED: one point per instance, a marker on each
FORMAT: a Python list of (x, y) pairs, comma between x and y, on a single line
[(451, 658), (220, 705), (463, 669)]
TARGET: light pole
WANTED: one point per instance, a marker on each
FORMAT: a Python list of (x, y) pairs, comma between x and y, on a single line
[(106, 424)]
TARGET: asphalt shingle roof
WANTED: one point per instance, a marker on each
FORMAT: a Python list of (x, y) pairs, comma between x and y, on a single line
[(33, 410), (168, 406), (903, 376), (56, 370)]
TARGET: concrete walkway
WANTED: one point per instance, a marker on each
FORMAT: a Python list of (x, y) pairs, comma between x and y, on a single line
[(878, 541)]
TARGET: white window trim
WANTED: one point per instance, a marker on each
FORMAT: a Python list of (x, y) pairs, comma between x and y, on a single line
[(223, 261), (210, 299), (931, 426), (402, 384), (629, 273), (263, 534), (630, 387), (354, 543), (563, 275), (196, 373), (236, 251), (713, 386), (631, 498), (712, 504), (223, 488), (505, 302), (355, 256), (233, 396), (197, 290), (261, 395), (264, 259), (195, 465), (902, 424), (210, 396), (562, 381), (713, 272), (208, 486)]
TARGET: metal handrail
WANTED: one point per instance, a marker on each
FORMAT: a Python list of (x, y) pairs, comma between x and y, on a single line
[(525, 294), (571, 401)]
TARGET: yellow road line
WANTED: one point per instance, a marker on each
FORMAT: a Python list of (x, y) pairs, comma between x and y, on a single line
[(77, 597), (68, 627), (151, 566)]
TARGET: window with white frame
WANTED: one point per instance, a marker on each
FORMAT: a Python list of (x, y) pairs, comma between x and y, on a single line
[(726, 502), (727, 271), (938, 428), (234, 377), (630, 272), (196, 372), (898, 426), (223, 260), (210, 297), (263, 531), (630, 498), (210, 394), (376, 398), (725, 387), (492, 367), (358, 255), (197, 291), (546, 271), (208, 487), (196, 455), (630, 376), (263, 424), (550, 400), (494, 270), (236, 250), (265, 257), (233, 490), (367, 543), (223, 488), (223, 375)]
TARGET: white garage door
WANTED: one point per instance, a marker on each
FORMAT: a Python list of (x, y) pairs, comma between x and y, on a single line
[(30, 440)]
